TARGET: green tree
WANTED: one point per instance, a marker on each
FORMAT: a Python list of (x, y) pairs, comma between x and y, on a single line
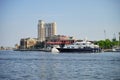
[(105, 44), (114, 43), (108, 44), (101, 43)]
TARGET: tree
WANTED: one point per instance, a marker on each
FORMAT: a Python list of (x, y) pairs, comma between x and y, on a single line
[(101, 44), (105, 44), (108, 44)]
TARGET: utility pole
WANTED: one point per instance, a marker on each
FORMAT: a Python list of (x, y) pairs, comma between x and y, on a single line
[(119, 40)]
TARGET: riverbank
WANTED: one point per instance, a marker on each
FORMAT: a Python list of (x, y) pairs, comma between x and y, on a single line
[(110, 50), (45, 50), (107, 50)]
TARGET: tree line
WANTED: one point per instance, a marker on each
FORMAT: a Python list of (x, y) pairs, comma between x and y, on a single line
[(107, 44)]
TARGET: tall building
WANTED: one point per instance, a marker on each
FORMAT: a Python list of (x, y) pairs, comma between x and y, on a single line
[(41, 30), (45, 30)]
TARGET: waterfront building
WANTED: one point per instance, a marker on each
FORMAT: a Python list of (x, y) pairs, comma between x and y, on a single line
[(60, 39), (26, 43), (45, 30)]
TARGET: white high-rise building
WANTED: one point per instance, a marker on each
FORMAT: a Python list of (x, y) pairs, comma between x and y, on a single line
[(45, 30)]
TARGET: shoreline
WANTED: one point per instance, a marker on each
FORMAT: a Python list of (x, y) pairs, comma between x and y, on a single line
[(45, 50)]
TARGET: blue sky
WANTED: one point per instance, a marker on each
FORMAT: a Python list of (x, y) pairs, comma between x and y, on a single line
[(78, 18)]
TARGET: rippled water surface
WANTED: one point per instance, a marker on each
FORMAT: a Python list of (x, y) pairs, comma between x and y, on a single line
[(30, 65)]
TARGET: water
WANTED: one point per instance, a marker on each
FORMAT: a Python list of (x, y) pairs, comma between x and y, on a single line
[(16, 65)]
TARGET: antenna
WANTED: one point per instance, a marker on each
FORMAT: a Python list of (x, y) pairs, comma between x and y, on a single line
[(105, 34)]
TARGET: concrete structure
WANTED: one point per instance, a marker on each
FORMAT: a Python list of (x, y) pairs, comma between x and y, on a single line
[(45, 30), (27, 43)]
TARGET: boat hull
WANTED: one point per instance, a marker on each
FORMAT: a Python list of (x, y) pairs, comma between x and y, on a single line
[(84, 50)]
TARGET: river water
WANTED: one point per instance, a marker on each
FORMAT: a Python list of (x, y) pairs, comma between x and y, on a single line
[(35, 65)]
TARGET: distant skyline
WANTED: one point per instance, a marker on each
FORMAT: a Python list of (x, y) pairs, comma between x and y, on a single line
[(78, 18)]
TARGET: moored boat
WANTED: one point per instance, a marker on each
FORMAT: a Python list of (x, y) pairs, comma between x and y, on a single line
[(116, 49), (84, 46)]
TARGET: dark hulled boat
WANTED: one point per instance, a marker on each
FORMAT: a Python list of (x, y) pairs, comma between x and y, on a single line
[(85, 50), (84, 46)]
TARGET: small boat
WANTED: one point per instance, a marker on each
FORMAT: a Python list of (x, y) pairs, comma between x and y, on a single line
[(116, 49), (54, 50), (84, 46)]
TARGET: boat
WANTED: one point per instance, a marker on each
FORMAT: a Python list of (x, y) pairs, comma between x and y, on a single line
[(84, 46), (116, 49)]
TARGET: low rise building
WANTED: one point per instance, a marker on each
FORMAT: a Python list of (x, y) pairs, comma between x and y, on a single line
[(26, 43)]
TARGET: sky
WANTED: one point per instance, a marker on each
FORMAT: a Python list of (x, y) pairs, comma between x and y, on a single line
[(78, 18)]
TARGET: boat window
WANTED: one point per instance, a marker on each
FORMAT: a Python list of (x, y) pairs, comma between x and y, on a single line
[(68, 47), (72, 47), (77, 43), (83, 43)]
